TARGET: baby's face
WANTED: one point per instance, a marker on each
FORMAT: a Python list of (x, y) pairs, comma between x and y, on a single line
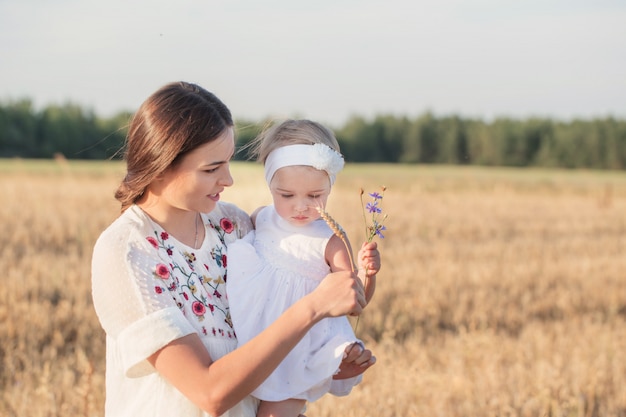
[(297, 191)]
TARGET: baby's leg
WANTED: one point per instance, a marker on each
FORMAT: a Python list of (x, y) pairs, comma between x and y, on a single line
[(286, 408)]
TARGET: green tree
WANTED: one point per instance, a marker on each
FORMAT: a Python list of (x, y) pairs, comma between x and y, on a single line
[(350, 139), (453, 143), (429, 139), (245, 132), (18, 127)]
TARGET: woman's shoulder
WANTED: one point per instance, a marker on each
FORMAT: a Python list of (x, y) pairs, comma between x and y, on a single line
[(129, 226), (224, 209), (230, 211)]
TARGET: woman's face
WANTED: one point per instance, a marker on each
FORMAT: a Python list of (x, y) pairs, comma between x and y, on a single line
[(297, 191), (196, 182)]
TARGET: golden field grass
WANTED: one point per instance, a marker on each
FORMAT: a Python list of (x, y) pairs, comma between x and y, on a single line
[(502, 293)]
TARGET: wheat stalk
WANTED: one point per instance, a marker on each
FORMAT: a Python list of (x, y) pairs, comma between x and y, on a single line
[(338, 231)]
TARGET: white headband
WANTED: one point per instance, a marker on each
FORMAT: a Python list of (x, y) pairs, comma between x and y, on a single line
[(318, 156)]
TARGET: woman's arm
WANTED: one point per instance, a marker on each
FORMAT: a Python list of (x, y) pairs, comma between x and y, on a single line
[(216, 386)]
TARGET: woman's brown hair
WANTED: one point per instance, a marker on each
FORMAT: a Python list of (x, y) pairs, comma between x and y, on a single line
[(172, 122)]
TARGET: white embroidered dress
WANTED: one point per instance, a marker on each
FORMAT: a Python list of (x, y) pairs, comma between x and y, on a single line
[(148, 290), (269, 270)]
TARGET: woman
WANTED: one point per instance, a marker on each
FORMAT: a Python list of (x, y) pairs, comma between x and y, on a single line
[(159, 270)]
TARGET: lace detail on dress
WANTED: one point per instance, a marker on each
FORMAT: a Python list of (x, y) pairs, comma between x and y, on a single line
[(287, 261)]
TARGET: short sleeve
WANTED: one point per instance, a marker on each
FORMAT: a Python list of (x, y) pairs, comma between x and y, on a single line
[(141, 320), (147, 335)]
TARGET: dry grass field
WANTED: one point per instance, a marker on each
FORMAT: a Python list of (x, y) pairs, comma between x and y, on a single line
[(502, 293)]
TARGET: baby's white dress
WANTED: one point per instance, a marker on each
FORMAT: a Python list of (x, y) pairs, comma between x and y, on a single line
[(268, 271)]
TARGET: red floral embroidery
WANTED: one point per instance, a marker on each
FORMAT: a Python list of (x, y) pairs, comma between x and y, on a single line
[(196, 281), (227, 225), (198, 308), (153, 242), (162, 271)]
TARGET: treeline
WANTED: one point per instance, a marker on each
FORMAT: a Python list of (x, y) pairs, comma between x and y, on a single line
[(598, 143), (66, 130)]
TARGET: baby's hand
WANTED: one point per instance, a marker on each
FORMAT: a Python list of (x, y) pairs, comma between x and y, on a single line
[(356, 360), (369, 258)]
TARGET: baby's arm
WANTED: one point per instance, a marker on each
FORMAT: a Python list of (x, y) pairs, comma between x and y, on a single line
[(338, 256)]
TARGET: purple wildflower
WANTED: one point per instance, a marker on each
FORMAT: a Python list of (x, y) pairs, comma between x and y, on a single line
[(373, 207)]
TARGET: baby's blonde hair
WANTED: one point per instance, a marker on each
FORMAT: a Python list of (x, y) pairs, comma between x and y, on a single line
[(291, 132)]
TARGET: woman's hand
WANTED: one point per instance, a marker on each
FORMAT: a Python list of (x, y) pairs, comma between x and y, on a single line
[(356, 361), (340, 293)]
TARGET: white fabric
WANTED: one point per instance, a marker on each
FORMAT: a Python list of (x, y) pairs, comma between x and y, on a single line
[(318, 156), (148, 290), (270, 269)]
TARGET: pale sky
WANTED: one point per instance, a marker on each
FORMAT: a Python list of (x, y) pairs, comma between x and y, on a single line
[(326, 59)]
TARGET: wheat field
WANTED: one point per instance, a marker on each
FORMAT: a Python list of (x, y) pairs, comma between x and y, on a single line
[(502, 292)]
